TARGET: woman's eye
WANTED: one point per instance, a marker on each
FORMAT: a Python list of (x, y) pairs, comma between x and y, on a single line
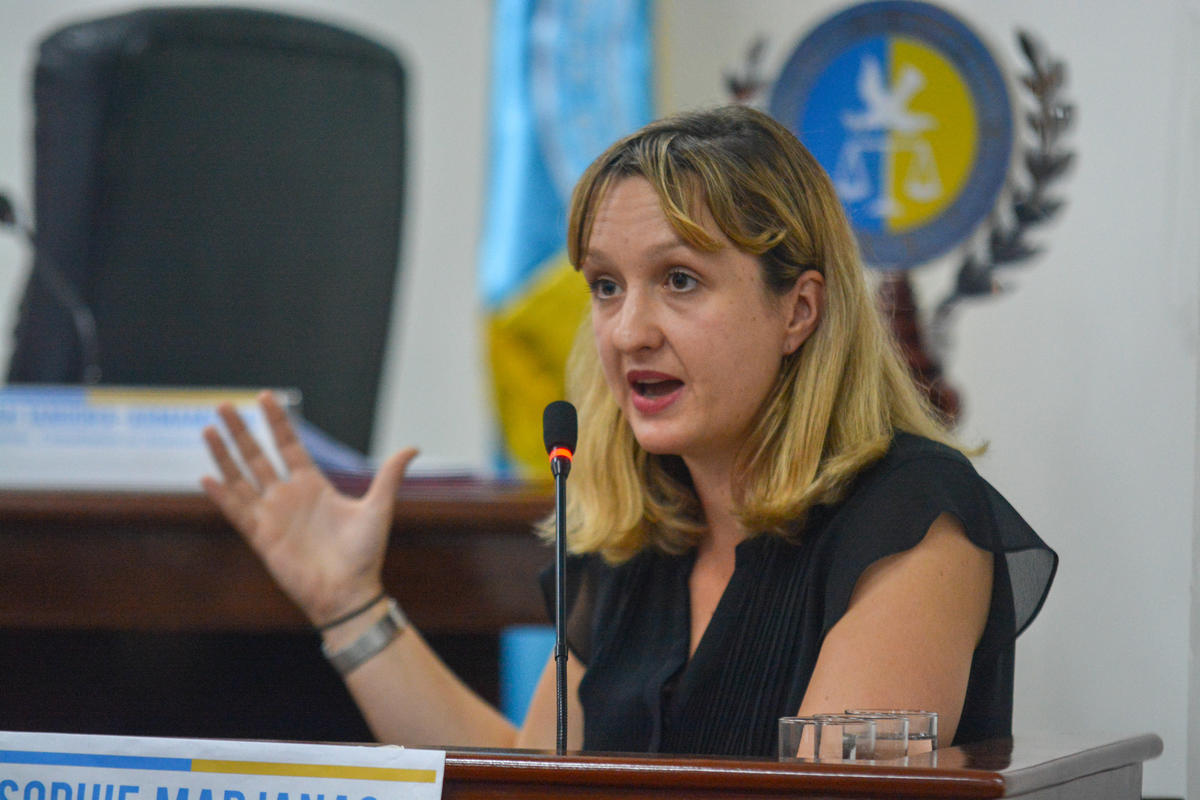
[(680, 281), (602, 287)]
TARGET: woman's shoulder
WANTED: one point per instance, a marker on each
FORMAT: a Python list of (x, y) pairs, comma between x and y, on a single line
[(894, 503), (908, 447), (915, 467)]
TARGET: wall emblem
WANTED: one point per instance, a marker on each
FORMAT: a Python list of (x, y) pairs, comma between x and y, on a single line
[(913, 119), (908, 111)]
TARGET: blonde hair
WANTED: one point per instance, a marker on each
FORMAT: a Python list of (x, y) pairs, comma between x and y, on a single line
[(838, 399)]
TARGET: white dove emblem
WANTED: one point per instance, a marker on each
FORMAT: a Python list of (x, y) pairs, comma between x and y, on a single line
[(886, 108)]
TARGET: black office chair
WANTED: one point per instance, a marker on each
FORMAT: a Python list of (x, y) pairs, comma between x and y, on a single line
[(223, 188)]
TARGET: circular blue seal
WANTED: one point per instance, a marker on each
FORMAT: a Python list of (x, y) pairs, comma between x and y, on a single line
[(909, 113)]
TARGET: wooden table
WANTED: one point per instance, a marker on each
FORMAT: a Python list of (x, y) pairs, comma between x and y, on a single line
[(462, 559), (146, 614), (1030, 767)]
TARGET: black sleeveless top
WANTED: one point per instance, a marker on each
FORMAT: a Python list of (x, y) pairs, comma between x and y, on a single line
[(630, 624)]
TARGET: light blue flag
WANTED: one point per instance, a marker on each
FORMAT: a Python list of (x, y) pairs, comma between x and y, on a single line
[(569, 78)]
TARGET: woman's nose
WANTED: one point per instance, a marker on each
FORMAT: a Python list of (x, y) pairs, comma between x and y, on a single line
[(637, 324)]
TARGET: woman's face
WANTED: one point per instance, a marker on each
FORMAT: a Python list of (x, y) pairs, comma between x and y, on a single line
[(690, 341)]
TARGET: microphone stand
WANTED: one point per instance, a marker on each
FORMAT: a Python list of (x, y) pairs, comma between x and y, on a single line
[(560, 431), (559, 466)]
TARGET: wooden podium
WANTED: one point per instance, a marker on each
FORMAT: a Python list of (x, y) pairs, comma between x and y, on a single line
[(1028, 767)]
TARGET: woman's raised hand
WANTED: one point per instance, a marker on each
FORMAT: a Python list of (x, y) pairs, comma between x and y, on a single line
[(324, 548)]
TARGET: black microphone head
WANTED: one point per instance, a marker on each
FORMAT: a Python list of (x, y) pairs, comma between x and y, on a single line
[(560, 426)]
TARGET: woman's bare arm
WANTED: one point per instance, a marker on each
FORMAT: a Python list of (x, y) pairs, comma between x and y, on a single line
[(910, 632), (540, 730), (409, 696)]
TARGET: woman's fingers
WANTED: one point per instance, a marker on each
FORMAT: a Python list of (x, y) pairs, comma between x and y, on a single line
[(235, 509), (290, 449), (390, 475), (235, 481), (255, 459)]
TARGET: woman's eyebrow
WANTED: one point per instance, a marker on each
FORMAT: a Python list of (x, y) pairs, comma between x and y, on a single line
[(600, 258)]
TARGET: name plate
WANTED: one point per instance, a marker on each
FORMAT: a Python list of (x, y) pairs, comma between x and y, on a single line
[(101, 438), (58, 766)]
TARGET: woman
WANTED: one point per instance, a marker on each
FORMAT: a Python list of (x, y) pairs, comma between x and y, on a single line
[(767, 519)]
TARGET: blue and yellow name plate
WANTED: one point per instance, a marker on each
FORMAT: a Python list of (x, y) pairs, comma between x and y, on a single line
[(145, 439), (910, 114), (45, 766)]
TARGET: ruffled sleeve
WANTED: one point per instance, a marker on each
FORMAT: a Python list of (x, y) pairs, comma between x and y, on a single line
[(892, 508)]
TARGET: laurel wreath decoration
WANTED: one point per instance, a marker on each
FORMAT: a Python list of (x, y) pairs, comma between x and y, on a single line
[(1029, 203), (747, 82)]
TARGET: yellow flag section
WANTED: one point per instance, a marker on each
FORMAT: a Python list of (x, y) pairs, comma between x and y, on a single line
[(528, 343), (568, 78)]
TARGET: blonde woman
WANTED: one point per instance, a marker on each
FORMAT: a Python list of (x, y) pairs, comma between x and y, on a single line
[(766, 518)]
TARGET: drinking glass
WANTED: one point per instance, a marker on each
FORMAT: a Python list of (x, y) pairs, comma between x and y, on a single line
[(844, 738), (891, 734), (841, 737), (797, 738), (922, 726), (826, 737)]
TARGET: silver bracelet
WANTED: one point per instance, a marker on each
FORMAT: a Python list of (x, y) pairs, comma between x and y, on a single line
[(371, 642)]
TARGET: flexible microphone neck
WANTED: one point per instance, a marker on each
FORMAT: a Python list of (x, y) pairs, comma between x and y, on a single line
[(559, 432), (46, 270)]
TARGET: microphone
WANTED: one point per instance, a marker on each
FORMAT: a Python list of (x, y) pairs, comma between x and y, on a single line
[(47, 271), (560, 429)]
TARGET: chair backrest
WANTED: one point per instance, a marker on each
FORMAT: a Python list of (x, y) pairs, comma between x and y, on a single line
[(224, 188)]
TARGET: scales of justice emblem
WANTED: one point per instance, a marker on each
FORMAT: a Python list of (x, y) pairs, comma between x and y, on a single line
[(912, 118), (887, 129)]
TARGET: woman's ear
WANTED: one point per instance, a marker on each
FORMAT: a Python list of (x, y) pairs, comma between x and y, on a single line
[(805, 302)]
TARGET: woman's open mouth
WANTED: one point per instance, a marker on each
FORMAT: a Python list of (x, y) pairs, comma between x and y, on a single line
[(656, 388), (652, 391)]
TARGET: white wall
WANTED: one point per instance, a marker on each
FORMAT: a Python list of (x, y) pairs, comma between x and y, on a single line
[(1084, 378)]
